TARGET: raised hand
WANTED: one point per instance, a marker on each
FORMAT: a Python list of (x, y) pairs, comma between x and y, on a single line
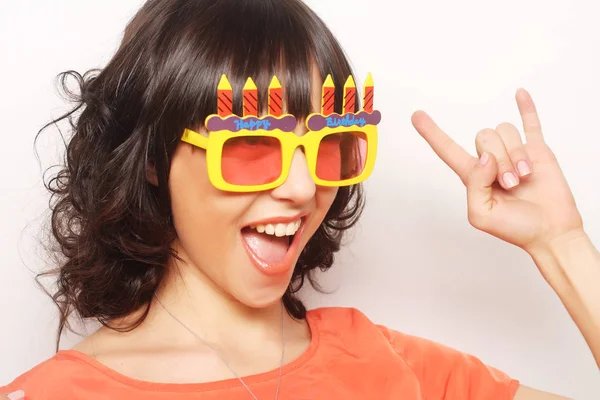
[(515, 191)]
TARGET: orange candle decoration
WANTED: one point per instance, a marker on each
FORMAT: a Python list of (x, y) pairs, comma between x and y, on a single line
[(275, 98), (250, 99), (369, 92), (349, 95), (224, 97), (328, 93)]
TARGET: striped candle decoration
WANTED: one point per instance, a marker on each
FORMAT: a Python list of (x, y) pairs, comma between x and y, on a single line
[(250, 99), (349, 95), (275, 98), (369, 92), (224, 97), (328, 93)]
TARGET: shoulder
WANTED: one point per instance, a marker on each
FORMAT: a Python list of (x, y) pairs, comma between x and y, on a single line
[(52, 378), (340, 318), (351, 321), (437, 367), (349, 328), (346, 322)]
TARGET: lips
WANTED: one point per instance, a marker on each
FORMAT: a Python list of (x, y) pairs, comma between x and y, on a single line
[(272, 255)]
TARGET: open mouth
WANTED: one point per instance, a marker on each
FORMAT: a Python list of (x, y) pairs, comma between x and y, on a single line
[(272, 246)]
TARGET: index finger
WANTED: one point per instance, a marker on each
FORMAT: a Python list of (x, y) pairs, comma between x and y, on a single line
[(457, 158), (531, 121)]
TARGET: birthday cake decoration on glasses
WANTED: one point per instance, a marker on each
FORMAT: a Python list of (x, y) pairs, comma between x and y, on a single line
[(227, 121), (329, 119)]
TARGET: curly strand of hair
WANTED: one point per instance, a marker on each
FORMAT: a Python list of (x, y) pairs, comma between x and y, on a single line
[(111, 258)]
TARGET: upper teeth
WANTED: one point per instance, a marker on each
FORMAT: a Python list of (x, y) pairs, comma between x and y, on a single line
[(278, 229)]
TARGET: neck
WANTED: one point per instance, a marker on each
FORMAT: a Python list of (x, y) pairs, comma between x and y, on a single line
[(250, 338), (205, 308)]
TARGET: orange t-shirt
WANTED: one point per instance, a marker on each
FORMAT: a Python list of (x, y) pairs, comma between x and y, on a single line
[(348, 358)]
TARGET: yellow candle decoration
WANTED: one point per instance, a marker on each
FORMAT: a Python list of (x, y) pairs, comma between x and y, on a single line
[(275, 98), (328, 93), (224, 97), (369, 92), (349, 95), (250, 99)]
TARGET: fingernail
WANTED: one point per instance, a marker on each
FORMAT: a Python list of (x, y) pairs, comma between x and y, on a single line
[(485, 157), (523, 168), (510, 180), (18, 395)]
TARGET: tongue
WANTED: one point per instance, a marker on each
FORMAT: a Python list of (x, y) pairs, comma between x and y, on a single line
[(271, 249)]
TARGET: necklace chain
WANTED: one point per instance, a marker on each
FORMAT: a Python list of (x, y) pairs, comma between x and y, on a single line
[(220, 354)]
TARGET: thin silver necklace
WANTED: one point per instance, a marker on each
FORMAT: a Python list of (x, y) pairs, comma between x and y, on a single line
[(223, 357)]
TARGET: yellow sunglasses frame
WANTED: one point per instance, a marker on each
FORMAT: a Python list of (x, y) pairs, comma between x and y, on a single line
[(213, 144)]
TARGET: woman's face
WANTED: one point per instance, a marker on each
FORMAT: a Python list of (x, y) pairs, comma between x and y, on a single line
[(219, 233)]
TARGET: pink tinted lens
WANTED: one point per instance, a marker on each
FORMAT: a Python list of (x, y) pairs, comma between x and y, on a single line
[(341, 156), (251, 160)]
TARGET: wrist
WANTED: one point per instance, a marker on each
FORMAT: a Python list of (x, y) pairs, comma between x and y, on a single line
[(562, 259)]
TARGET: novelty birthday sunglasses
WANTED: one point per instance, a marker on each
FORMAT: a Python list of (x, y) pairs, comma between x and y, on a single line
[(251, 153)]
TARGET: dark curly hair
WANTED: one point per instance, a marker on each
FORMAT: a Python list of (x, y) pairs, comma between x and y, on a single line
[(113, 229)]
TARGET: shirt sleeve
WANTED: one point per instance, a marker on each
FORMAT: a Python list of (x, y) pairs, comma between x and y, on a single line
[(448, 374), (43, 382)]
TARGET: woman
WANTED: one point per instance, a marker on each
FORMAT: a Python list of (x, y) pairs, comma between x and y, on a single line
[(188, 240)]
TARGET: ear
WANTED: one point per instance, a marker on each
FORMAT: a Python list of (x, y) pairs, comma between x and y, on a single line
[(151, 174)]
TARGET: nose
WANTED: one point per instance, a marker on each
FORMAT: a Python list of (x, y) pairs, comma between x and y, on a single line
[(299, 187)]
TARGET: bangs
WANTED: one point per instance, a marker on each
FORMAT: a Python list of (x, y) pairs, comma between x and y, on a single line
[(257, 39)]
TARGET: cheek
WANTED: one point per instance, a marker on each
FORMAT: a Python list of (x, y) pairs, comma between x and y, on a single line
[(189, 185), (205, 218), (324, 199), (326, 195)]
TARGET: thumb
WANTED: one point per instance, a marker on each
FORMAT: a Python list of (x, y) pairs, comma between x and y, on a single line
[(479, 189)]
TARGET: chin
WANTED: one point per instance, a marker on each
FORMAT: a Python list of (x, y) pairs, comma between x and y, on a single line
[(262, 302), (262, 293)]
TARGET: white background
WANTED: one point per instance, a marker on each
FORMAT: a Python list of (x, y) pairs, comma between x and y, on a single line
[(414, 263)]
